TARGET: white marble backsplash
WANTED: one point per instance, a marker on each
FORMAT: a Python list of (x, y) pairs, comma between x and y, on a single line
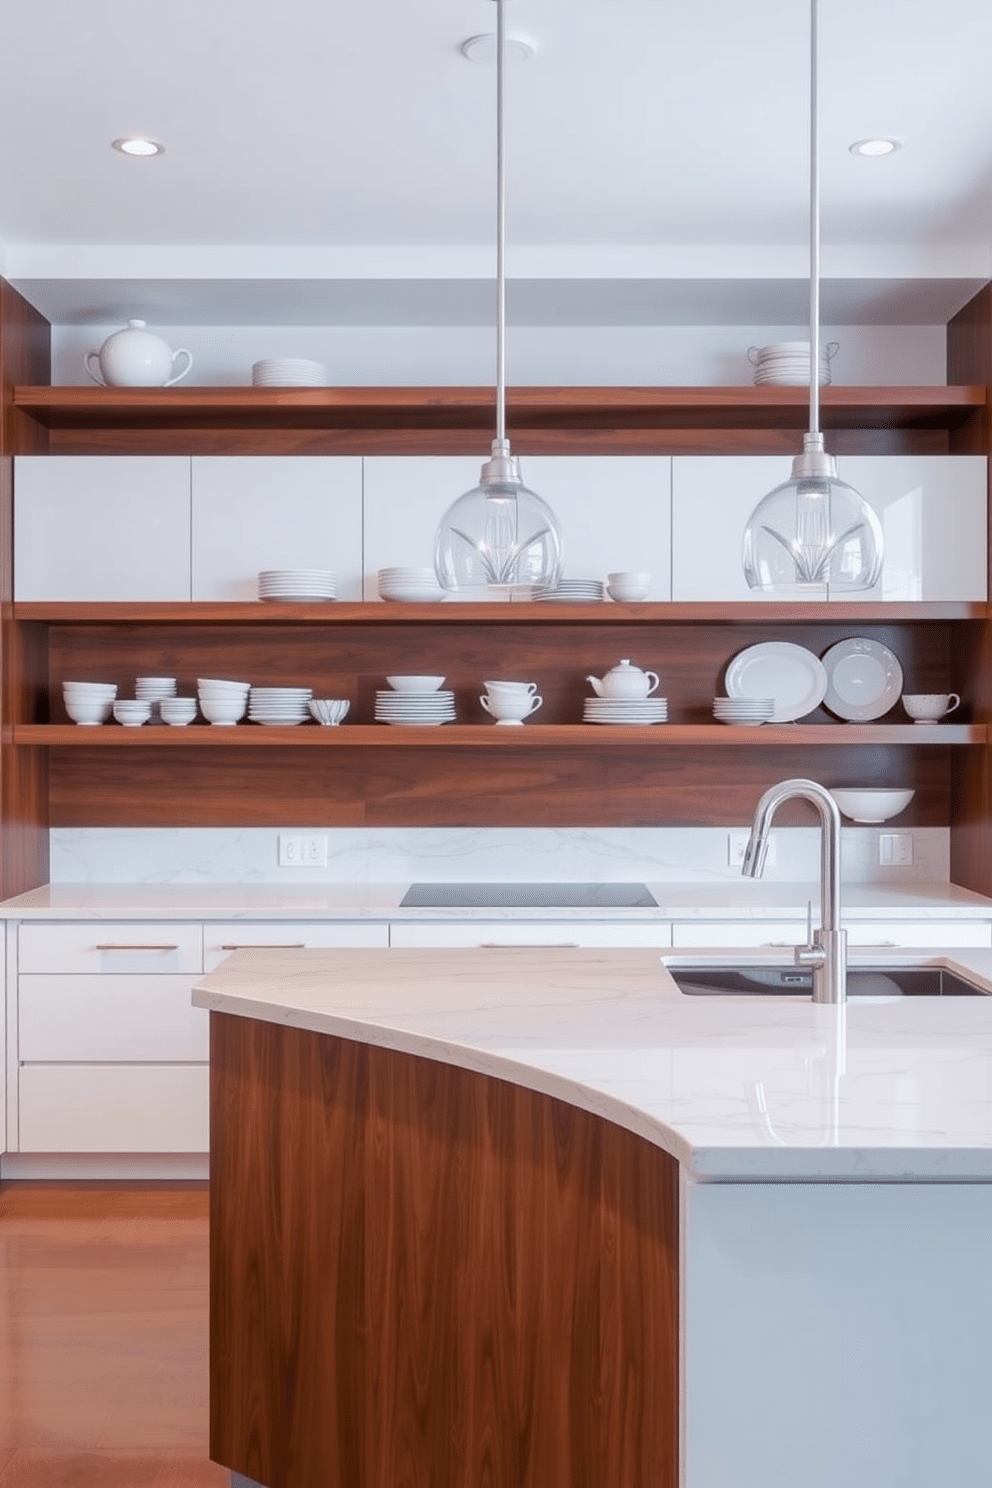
[(463, 854)]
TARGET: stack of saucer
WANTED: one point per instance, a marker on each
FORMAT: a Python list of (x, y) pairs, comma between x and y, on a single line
[(786, 363), (410, 585), (572, 591), (429, 705), (279, 705), (297, 585), (289, 372), (743, 710), (639, 711)]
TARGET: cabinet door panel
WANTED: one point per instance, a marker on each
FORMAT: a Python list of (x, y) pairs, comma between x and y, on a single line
[(79, 1018), (102, 527), (867, 933), (110, 947), (264, 512), (219, 940), (114, 1108), (529, 932), (712, 498)]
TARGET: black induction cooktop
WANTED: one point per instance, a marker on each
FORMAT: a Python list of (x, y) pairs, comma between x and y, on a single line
[(528, 896)]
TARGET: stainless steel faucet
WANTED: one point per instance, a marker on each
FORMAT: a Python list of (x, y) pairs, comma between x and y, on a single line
[(826, 951)]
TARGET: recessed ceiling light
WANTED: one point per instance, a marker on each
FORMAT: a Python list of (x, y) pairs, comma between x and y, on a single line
[(482, 49), (875, 147), (138, 145)]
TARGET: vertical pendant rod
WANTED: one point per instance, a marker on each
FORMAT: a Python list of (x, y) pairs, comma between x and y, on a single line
[(814, 228), (500, 230)]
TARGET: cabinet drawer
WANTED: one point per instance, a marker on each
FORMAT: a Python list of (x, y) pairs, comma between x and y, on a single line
[(865, 933), (530, 932), (110, 1018), (109, 947), (219, 940), (114, 1108)]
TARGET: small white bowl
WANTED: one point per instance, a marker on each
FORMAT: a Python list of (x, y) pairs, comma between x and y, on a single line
[(628, 593), (177, 711), (223, 710), (132, 712), (91, 691), (218, 684), (88, 712), (869, 807), (329, 711), (415, 684)]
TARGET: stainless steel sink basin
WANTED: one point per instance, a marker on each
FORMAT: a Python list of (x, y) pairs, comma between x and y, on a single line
[(875, 981)]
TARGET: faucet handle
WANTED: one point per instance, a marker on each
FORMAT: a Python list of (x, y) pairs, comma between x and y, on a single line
[(810, 954)]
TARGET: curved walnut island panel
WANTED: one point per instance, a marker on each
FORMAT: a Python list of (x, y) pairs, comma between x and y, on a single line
[(483, 1217)]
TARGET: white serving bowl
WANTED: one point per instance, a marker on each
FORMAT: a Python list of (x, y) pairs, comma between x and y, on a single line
[(132, 712), (177, 711), (872, 806), (88, 712), (415, 684), (329, 711), (218, 684), (223, 710)]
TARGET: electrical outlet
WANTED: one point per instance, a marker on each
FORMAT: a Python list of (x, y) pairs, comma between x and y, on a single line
[(737, 845), (302, 851), (895, 849)]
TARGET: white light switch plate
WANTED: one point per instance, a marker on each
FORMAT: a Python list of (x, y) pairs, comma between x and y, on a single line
[(302, 850)]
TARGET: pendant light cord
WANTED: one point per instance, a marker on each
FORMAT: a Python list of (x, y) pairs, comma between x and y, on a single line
[(814, 226), (500, 230)]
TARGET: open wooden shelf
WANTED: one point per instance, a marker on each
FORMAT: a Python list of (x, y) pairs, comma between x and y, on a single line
[(490, 736)]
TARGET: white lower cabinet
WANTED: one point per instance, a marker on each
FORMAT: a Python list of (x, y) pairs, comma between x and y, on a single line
[(591, 933), (219, 940), (114, 1108), (868, 934)]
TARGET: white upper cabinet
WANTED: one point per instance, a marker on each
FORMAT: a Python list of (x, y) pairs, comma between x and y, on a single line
[(257, 512), (614, 511), (101, 527), (932, 509)]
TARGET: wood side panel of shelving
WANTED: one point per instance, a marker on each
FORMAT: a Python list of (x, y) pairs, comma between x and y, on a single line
[(489, 1294), (24, 356)]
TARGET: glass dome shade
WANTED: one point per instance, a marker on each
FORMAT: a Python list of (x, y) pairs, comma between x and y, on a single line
[(499, 535), (814, 530)]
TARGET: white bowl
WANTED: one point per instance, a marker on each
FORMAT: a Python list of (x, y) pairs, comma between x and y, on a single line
[(177, 711), (132, 712), (872, 806), (90, 690), (628, 593), (329, 711), (226, 710), (221, 685), (97, 711), (415, 684)]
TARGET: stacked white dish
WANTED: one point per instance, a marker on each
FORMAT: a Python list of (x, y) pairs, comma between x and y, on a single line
[(152, 690), (279, 705), (743, 710), (289, 372), (414, 701), (132, 712), (786, 363), (89, 703), (410, 585), (297, 585), (177, 712), (637, 711), (571, 591), (222, 702)]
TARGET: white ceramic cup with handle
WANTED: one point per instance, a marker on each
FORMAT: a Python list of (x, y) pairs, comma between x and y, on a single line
[(511, 708), (929, 707)]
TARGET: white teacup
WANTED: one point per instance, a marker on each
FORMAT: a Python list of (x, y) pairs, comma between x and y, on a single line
[(511, 708), (511, 689), (929, 707)]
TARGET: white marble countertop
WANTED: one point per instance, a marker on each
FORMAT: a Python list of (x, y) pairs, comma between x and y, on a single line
[(726, 899), (736, 1088)]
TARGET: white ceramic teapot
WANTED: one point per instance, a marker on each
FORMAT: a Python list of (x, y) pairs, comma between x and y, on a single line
[(135, 357), (624, 681)]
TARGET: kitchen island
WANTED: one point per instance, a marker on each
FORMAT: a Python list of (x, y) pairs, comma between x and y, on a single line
[(534, 1216)]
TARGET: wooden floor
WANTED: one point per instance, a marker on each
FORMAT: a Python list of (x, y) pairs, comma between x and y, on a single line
[(103, 1336)]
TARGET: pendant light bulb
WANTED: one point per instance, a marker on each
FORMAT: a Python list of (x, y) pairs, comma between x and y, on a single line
[(500, 535), (814, 530)]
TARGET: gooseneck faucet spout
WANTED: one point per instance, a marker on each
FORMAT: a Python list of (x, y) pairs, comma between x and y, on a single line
[(827, 954)]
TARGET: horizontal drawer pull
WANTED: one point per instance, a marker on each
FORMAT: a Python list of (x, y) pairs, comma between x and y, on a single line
[(123, 947), (268, 945), (528, 945)]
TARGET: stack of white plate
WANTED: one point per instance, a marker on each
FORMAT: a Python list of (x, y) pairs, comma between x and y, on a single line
[(431, 708), (743, 710), (297, 585), (639, 711), (279, 705), (786, 363), (289, 372), (410, 585), (571, 591), (152, 690)]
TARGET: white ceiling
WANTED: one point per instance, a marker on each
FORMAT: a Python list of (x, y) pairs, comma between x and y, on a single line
[(331, 163)]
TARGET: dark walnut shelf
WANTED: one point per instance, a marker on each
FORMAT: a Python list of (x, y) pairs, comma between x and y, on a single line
[(488, 736)]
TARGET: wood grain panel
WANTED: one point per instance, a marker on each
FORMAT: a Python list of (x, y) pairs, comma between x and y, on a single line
[(426, 1276), (24, 356), (410, 786)]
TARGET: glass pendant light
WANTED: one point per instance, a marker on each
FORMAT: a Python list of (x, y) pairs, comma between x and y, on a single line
[(500, 535), (814, 529)]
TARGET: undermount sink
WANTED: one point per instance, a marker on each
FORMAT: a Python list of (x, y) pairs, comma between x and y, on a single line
[(875, 981)]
